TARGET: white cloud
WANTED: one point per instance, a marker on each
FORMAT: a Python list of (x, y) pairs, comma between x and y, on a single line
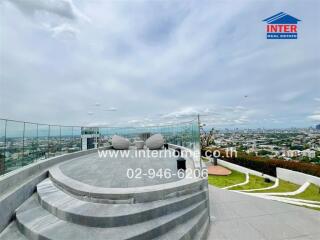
[(290, 96), (59, 17), (315, 117), (100, 124), (214, 115), (180, 58), (182, 113), (65, 31), (134, 121), (111, 109), (62, 8)]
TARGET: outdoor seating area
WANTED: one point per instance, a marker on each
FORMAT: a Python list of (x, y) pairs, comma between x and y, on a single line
[(120, 143), (127, 170), (154, 142)]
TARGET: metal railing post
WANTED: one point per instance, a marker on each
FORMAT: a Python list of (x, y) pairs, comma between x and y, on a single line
[(37, 150), (199, 138), (72, 139), (60, 147), (23, 136), (5, 145), (48, 151)]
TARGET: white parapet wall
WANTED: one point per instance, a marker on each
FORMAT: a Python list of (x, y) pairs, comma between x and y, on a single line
[(296, 177), (244, 169)]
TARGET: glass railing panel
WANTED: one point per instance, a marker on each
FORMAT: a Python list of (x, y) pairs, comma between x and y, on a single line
[(43, 141), (23, 143), (31, 145), (76, 143), (14, 145), (105, 137), (2, 145), (54, 141), (66, 140)]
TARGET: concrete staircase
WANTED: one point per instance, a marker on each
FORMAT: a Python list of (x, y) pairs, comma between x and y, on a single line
[(54, 213)]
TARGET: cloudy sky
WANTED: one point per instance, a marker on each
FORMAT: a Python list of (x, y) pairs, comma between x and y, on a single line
[(142, 62)]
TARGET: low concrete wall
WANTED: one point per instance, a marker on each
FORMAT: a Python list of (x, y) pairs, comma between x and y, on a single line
[(296, 177), (17, 186), (244, 169)]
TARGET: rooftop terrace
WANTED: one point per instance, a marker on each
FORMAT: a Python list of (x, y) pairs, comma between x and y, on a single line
[(50, 190), (91, 169), (128, 194)]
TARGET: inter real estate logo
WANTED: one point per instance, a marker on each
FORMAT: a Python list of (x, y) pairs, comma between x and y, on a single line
[(282, 26)]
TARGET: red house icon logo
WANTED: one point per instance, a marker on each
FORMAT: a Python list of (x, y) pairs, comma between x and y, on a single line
[(282, 26)]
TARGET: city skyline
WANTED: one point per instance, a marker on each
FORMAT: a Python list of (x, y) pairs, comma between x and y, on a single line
[(108, 63)]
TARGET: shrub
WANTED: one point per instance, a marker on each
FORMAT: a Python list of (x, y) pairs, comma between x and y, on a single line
[(268, 166)]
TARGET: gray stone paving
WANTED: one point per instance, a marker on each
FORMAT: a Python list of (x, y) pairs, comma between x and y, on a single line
[(242, 217), (111, 172)]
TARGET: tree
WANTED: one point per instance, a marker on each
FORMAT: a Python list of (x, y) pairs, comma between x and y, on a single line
[(206, 137), (305, 159), (264, 152), (243, 148)]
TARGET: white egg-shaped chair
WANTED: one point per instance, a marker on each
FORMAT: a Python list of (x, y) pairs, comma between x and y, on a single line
[(120, 143), (156, 141)]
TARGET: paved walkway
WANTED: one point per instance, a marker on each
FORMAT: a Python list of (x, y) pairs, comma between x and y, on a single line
[(242, 217)]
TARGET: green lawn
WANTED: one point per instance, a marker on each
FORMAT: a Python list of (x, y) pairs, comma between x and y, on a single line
[(284, 186), (204, 159), (311, 193), (254, 183), (224, 181), (313, 208)]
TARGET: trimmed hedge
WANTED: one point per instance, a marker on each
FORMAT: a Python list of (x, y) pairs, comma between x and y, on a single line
[(268, 166)]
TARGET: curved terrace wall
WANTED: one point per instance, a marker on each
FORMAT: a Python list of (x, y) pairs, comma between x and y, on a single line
[(17, 186)]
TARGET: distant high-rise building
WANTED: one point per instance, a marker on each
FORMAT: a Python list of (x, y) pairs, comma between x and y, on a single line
[(309, 153), (318, 127)]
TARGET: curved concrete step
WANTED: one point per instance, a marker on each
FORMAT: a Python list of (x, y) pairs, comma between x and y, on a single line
[(12, 232), (37, 223), (71, 209), (195, 228), (126, 195), (202, 234)]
